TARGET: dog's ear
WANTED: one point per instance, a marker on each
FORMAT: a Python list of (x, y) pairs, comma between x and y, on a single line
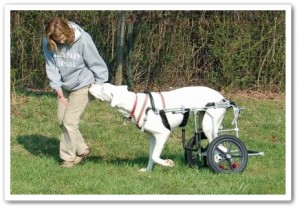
[(118, 94), (115, 99)]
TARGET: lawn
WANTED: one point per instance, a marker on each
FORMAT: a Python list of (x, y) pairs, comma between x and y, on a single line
[(119, 150)]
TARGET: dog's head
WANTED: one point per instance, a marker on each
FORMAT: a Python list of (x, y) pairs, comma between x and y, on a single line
[(109, 93), (97, 90)]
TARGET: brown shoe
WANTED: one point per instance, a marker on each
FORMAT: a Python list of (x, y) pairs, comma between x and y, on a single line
[(67, 164), (79, 158)]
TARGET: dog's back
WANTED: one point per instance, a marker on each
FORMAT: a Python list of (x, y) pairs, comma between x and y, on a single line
[(191, 97)]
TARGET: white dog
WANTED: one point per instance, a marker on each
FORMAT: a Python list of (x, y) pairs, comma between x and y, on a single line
[(139, 107)]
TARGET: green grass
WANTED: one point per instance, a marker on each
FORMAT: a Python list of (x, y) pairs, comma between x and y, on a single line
[(119, 150)]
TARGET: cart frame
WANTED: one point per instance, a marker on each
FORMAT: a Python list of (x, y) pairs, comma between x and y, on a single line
[(220, 161)]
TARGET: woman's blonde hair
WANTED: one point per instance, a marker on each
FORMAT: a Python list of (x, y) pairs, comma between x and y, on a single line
[(56, 29)]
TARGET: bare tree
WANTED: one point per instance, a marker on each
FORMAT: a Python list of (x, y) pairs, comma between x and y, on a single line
[(120, 44)]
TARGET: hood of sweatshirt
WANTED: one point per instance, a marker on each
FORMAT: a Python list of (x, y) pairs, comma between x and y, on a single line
[(77, 29)]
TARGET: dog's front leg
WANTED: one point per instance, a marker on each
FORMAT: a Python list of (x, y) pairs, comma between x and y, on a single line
[(160, 140), (150, 162), (157, 142)]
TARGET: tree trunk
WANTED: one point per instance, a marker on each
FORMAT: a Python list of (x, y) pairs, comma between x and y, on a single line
[(120, 44), (130, 48)]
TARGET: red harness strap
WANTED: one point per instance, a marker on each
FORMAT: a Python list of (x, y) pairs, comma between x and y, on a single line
[(143, 107), (142, 110), (133, 108)]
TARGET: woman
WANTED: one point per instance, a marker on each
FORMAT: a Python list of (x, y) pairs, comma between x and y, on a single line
[(72, 65)]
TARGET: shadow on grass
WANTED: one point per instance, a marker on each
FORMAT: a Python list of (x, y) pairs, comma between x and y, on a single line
[(40, 145), (141, 161)]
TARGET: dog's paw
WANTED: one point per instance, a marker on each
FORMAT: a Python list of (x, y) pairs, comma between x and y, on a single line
[(170, 162), (143, 170)]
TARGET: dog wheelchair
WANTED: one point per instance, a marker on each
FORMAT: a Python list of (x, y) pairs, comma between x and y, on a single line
[(226, 153)]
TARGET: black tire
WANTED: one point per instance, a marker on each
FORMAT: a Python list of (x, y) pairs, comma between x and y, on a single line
[(232, 159), (192, 156)]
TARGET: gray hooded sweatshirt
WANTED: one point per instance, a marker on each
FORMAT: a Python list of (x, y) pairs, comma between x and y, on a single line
[(76, 66)]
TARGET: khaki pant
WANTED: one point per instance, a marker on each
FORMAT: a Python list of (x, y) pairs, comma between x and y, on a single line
[(71, 142)]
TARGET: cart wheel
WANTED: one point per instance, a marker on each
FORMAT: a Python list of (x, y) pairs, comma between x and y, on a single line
[(227, 154), (192, 157)]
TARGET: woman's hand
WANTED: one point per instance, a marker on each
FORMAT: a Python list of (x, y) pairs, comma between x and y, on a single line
[(61, 97)]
